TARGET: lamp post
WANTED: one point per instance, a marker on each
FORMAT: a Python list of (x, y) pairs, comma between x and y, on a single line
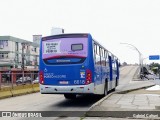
[(144, 59), (142, 62), (140, 56)]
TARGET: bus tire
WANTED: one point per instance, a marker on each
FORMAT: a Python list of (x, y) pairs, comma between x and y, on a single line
[(70, 96), (105, 88), (113, 89), (116, 82)]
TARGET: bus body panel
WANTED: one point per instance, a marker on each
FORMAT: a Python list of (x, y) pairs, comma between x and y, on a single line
[(78, 89), (64, 75)]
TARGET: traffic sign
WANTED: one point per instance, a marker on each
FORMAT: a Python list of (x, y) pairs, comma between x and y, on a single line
[(154, 57)]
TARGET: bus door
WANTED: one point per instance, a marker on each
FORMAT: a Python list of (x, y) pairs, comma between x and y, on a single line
[(98, 68), (110, 72)]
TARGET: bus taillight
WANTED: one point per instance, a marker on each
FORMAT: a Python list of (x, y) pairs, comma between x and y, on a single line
[(41, 77), (88, 76)]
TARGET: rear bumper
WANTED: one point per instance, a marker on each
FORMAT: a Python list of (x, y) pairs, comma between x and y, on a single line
[(79, 89)]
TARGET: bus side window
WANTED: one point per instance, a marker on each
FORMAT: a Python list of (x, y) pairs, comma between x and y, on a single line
[(94, 52), (107, 60), (98, 62), (102, 57), (105, 57), (113, 63), (100, 54)]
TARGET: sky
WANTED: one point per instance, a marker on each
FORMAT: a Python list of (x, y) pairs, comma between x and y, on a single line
[(110, 22)]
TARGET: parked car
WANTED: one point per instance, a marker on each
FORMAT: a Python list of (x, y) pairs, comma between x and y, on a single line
[(26, 80), (151, 76), (36, 80)]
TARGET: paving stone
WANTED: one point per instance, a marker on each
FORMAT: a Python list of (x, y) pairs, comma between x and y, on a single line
[(109, 102), (124, 103), (110, 105), (154, 103), (129, 106), (140, 103), (146, 107), (115, 97)]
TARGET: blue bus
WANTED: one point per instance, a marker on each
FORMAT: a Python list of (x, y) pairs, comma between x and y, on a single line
[(73, 64)]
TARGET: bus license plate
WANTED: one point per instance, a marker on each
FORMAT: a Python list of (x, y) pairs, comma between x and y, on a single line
[(63, 82)]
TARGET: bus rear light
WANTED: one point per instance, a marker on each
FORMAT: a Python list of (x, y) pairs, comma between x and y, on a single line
[(41, 77), (88, 76)]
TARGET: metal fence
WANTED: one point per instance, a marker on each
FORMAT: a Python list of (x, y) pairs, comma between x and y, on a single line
[(15, 79)]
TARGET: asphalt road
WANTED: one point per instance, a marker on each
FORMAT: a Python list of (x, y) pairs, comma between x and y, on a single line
[(53, 102), (126, 75), (46, 102)]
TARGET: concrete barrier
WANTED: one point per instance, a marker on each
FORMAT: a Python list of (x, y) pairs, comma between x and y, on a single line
[(18, 90), (5, 94), (36, 88)]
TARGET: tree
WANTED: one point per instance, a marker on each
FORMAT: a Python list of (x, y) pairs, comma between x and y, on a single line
[(155, 67), (124, 63)]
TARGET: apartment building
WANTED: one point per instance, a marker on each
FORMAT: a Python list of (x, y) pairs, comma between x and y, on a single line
[(13, 50)]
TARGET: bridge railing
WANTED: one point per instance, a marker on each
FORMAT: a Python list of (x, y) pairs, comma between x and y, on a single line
[(16, 79)]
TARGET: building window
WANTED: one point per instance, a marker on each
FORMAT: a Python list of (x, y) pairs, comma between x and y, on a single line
[(6, 42), (3, 43), (16, 46), (17, 58), (3, 55)]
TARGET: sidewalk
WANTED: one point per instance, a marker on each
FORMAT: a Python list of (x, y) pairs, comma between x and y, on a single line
[(133, 98)]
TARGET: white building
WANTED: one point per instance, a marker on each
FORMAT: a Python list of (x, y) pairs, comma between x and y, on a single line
[(56, 31), (11, 53), (37, 38)]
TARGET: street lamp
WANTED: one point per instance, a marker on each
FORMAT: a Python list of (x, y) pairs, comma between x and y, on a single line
[(140, 56), (143, 64), (144, 59)]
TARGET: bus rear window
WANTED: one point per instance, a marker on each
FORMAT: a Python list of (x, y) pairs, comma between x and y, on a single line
[(64, 50)]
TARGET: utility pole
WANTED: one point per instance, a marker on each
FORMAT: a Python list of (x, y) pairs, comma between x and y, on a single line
[(23, 58), (23, 45)]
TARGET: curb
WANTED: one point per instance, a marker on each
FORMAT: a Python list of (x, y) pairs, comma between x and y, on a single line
[(130, 90), (100, 101), (18, 90), (118, 92)]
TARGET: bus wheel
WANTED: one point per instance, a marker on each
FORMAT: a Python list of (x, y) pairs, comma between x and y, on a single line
[(116, 82), (105, 89), (113, 89), (70, 96)]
